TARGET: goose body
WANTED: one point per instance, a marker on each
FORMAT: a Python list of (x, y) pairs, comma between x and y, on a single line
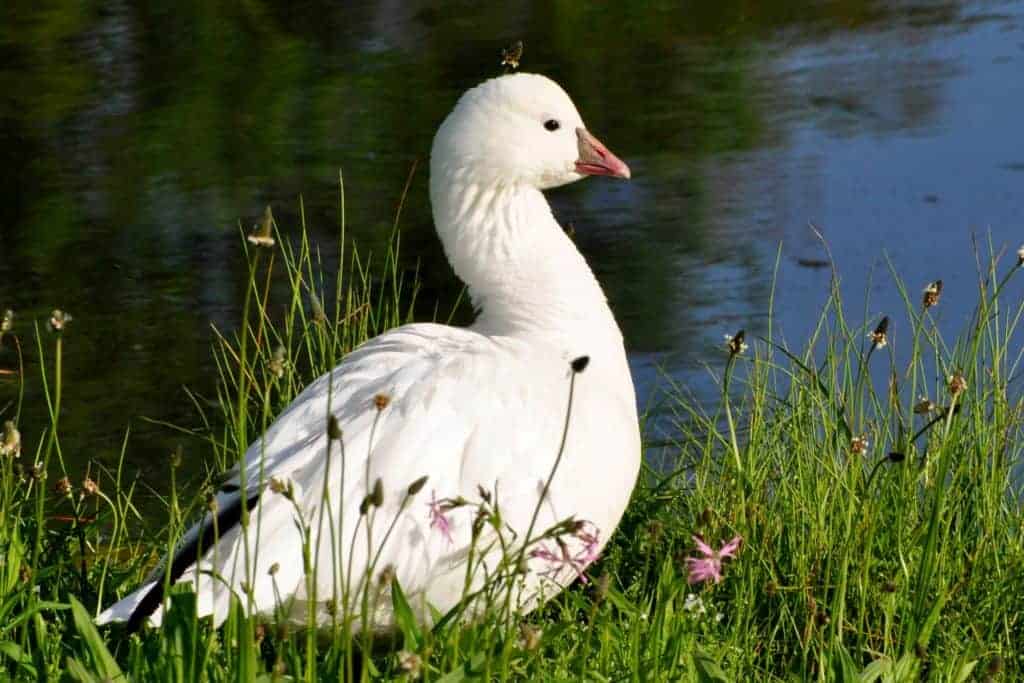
[(479, 411)]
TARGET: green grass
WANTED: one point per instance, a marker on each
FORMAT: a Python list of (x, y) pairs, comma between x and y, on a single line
[(879, 543)]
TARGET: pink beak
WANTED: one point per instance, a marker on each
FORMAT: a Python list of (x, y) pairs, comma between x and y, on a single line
[(595, 159)]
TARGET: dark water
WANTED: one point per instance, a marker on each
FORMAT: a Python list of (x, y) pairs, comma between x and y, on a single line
[(134, 138)]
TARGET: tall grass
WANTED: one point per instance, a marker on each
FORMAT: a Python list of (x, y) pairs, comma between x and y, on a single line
[(876, 489)]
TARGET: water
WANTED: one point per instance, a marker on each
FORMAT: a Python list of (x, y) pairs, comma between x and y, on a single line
[(136, 139)]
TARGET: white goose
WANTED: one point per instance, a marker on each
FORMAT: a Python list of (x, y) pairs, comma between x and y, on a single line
[(479, 411)]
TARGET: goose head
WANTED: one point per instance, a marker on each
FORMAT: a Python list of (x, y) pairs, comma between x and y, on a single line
[(520, 129)]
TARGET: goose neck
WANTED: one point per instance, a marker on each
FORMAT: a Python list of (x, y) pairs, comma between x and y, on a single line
[(523, 272)]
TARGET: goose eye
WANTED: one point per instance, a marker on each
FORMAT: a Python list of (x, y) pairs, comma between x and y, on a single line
[(552, 125)]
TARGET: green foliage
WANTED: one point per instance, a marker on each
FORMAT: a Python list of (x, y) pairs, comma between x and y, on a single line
[(881, 532)]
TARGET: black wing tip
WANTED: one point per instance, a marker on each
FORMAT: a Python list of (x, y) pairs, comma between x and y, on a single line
[(226, 520)]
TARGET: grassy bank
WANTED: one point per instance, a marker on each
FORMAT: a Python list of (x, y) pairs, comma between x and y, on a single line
[(873, 479)]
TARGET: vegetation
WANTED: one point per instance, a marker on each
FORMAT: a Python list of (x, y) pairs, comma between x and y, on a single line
[(876, 494)]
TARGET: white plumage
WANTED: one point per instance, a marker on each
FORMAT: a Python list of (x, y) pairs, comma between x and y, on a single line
[(478, 411)]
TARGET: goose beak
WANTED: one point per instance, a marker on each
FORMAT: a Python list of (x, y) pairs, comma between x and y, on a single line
[(595, 159)]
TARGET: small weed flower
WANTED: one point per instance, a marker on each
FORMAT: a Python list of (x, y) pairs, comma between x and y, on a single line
[(709, 567), (957, 384), (11, 443), (261, 235), (58, 320), (879, 337), (411, 663), (859, 445), (734, 343), (694, 604), (438, 519), (924, 406), (932, 293)]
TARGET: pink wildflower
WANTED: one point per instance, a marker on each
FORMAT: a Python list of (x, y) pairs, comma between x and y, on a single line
[(438, 520), (579, 561), (709, 567)]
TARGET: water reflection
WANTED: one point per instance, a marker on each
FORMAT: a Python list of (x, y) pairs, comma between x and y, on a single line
[(135, 137)]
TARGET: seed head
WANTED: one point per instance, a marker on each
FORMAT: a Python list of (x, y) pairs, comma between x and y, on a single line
[(261, 234), (35, 472), (89, 486), (377, 496), (334, 432), (381, 401), (859, 444), (654, 530), (734, 343), (176, 458), (957, 384), (274, 568), (364, 505), (317, 307), (387, 575), (11, 443), (278, 363), (931, 294), (484, 494), (417, 485), (580, 363), (602, 585), (283, 487), (924, 406), (63, 487), (58, 320), (994, 666), (879, 338)]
